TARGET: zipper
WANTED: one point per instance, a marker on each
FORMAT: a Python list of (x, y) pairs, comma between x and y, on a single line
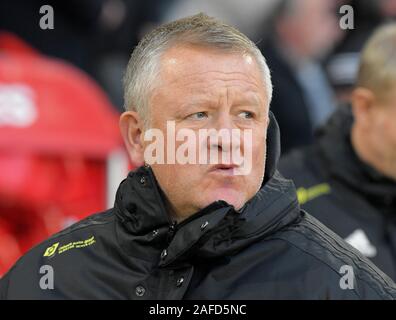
[(172, 224), (171, 231)]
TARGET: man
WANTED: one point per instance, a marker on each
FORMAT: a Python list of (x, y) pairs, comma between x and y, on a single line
[(198, 230), (347, 179), (303, 32)]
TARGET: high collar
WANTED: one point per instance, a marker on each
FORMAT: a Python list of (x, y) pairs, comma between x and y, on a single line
[(344, 165), (215, 231)]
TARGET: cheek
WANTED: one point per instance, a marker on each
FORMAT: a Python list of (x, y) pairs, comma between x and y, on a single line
[(391, 121), (177, 179), (391, 135), (167, 175), (386, 127), (170, 181), (259, 148), (257, 158)]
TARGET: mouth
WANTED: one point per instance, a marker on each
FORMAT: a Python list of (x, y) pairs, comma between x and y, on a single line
[(224, 169)]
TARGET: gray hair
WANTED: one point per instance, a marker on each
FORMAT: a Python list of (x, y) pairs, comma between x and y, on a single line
[(200, 29)]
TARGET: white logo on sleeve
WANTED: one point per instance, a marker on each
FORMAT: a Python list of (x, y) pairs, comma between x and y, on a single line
[(359, 240), (17, 107)]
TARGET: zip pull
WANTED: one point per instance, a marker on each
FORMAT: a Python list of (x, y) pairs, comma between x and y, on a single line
[(171, 231)]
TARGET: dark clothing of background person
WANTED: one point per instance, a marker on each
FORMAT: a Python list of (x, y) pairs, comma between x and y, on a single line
[(288, 102), (294, 48), (270, 249), (344, 193)]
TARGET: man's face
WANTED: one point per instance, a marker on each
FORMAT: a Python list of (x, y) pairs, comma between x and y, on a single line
[(201, 88)]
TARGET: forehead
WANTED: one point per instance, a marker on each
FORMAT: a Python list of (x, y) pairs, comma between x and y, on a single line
[(183, 61), (193, 70)]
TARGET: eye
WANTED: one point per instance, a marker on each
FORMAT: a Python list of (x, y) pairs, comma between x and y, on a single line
[(198, 115), (246, 115)]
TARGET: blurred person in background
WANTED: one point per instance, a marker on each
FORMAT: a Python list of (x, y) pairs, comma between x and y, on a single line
[(347, 179), (303, 32), (58, 142), (342, 64)]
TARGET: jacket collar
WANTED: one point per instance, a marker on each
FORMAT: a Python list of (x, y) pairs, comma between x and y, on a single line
[(338, 155), (213, 232), (145, 230)]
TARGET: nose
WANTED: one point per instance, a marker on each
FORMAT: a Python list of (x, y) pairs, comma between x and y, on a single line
[(226, 137)]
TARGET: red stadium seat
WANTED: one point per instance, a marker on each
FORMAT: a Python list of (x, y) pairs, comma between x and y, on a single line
[(57, 133)]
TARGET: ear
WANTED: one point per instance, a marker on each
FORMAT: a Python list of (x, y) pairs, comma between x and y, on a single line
[(131, 126), (362, 106)]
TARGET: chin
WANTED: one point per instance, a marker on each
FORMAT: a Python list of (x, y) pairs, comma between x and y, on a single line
[(233, 197)]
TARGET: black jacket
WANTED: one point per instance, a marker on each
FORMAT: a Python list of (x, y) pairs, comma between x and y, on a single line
[(269, 250), (345, 194)]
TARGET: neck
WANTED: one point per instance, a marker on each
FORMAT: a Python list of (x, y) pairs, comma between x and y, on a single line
[(173, 215)]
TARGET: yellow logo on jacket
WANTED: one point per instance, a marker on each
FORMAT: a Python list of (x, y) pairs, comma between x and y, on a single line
[(305, 195), (51, 250), (55, 248)]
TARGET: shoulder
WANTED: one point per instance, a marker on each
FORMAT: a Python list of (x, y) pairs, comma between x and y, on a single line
[(294, 161), (332, 257), (63, 253), (304, 167)]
